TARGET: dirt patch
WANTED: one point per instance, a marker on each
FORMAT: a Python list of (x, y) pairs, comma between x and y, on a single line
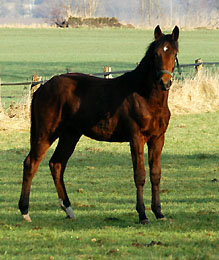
[(8, 124), (152, 243)]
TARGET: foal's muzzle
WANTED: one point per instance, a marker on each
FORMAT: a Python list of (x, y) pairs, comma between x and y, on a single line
[(167, 84)]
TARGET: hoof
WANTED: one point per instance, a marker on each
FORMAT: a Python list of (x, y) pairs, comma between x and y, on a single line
[(70, 218), (70, 213), (68, 210), (160, 216), (26, 217), (144, 221)]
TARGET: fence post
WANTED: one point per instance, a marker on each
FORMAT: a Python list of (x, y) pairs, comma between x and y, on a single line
[(1, 109), (33, 88), (107, 69), (198, 67)]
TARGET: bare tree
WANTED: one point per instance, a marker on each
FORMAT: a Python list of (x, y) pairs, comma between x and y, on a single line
[(58, 10), (3, 9), (149, 11), (142, 10), (68, 8), (92, 7), (86, 8)]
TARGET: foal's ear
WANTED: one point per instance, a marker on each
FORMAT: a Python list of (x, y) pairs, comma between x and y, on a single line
[(175, 33), (157, 33)]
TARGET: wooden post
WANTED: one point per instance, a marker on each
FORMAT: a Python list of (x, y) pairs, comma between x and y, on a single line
[(108, 69), (33, 87), (1, 109), (198, 67)]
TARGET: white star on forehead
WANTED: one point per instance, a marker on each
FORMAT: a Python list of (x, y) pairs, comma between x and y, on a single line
[(165, 48)]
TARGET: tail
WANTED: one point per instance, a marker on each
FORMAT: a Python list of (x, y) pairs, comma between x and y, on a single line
[(39, 123), (34, 89), (32, 120)]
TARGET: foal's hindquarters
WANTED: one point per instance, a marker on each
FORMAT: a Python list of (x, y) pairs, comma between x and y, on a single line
[(46, 127)]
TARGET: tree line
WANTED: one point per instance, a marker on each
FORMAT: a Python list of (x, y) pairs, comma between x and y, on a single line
[(190, 13)]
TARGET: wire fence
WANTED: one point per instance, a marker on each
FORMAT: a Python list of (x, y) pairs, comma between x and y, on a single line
[(187, 72), (181, 70), (11, 96)]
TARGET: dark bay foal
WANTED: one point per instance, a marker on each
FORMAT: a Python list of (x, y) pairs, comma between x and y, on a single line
[(131, 108)]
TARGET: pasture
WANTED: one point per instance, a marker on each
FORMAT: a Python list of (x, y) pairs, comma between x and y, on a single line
[(52, 51), (99, 176), (47, 52), (100, 184)]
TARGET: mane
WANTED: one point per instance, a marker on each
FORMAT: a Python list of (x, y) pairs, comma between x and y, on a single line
[(148, 60)]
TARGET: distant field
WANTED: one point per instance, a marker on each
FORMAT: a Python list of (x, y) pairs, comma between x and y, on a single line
[(47, 52), (51, 51)]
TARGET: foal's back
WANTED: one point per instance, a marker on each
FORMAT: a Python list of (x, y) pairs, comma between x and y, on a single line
[(102, 109)]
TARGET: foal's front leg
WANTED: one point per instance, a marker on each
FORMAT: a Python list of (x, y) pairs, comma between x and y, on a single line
[(137, 151), (154, 154)]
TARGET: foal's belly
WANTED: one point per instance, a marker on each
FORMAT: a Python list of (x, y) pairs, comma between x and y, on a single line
[(122, 129), (110, 130)]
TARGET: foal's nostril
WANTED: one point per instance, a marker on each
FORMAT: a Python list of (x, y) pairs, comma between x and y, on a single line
[(165, 86)]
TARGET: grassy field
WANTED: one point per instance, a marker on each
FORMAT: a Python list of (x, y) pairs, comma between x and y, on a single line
[(99, 176), (100, 183), (51, 51), (47, 52)]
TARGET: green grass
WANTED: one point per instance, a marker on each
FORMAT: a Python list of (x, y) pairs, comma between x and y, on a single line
[(51, 51), (47, 52), (106, 225)]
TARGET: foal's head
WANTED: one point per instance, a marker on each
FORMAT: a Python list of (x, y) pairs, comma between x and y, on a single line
[(166, 48)]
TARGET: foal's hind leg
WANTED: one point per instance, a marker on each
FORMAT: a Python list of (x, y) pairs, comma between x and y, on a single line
[(31, 164), (58, 162)]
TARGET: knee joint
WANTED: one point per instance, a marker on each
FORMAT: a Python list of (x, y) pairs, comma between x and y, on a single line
[(155, 177), (139, 177), (55, 166), (27, 163), (55, 169)]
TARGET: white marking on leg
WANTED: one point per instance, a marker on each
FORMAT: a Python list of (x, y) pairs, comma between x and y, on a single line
[(70, 212), (61, 204), (26, 217)]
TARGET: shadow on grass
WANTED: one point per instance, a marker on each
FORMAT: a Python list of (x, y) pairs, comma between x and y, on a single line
[(98, 214), (95, 219), (113, 158)]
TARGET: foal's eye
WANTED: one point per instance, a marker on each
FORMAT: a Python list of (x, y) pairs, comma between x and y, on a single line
[(165, 48)]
